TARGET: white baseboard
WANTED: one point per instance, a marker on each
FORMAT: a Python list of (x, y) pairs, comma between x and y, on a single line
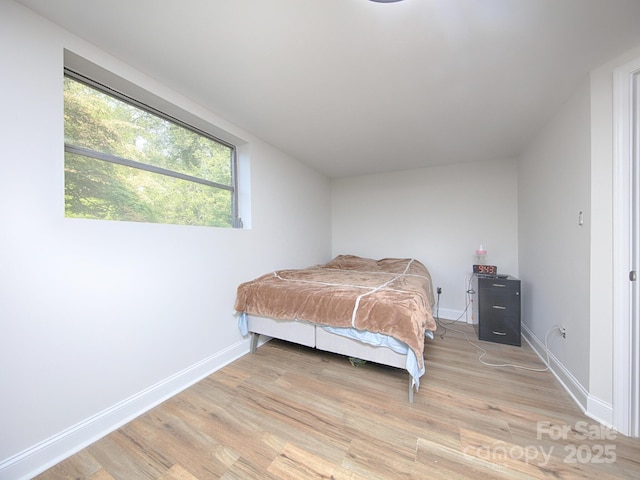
[(40, 457), (590, 405), (448, 314), (564, 376)]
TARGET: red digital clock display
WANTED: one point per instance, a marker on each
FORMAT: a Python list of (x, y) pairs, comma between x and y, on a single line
[(485, 269)]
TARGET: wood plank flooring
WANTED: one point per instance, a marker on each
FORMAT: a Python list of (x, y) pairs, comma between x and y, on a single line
[(290, 412)]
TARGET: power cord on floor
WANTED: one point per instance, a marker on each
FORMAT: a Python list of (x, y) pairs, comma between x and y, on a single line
[(469, 292), (444, 325)]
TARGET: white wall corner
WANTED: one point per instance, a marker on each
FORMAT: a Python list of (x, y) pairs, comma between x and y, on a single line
[(450, 314), (40, 457), (600, 411)]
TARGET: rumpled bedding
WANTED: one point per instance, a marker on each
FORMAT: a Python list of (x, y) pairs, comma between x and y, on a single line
[(392, 296)]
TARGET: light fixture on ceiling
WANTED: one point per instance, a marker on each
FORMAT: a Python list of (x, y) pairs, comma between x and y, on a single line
[(386, 1)]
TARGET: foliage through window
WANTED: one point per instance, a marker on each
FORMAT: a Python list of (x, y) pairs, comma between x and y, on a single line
[(123, 162)]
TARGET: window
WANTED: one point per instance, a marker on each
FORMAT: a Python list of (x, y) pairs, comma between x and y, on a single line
[(127, 161)]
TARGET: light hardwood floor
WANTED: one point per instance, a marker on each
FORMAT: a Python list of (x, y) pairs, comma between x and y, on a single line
[(289, 412)]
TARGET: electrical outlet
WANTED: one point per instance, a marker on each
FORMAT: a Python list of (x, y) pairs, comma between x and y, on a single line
[(563, 332), (439, 290)]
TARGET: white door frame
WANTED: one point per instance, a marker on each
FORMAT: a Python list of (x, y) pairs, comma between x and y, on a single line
[(626, 380)]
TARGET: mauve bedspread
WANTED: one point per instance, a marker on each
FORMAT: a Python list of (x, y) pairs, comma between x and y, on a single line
[(392, 296)]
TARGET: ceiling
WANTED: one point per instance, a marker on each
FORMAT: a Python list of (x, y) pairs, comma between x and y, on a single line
[(353, 87)]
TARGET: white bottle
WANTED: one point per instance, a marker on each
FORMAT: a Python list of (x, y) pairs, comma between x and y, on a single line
[(481, 256)]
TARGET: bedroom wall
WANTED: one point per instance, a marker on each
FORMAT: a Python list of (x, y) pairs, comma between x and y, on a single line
[(100, 320), (438, 215), (568, 168), (554, 179), (602, 249)]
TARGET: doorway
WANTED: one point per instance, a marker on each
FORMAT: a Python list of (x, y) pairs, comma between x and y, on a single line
[(626, 284)]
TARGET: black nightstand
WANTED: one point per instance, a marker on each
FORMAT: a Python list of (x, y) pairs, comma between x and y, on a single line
[(497, 308)]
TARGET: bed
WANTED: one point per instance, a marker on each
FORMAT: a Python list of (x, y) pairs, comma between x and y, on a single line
[(374, 310)]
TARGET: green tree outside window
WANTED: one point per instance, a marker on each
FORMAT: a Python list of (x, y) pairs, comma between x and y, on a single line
[(125, 163)]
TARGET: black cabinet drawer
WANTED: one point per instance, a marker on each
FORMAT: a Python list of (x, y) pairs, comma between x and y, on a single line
[(501, 330), (499, 303)]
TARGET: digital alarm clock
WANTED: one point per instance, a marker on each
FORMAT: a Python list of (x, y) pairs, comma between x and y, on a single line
[(485, 269)]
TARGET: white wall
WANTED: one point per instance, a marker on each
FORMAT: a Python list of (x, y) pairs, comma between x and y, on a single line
[(554, 186), (568, 168), (438, 215), (100, 319), (602, 197)]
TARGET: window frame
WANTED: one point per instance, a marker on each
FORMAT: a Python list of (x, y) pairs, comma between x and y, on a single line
[(236, 221)]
